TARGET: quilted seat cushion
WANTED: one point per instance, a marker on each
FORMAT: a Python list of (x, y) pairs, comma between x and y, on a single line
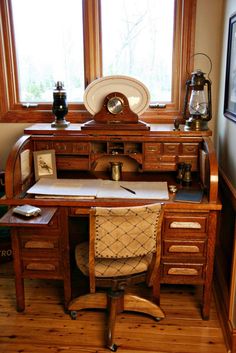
[(110, 267)]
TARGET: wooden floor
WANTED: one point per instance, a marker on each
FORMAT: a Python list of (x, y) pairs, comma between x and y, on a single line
[(45, 328)]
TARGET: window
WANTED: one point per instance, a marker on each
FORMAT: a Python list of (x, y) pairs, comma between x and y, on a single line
[(49, 48), (78, 41), (133, 36)]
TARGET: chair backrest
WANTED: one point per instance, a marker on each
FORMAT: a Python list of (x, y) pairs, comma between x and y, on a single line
[(124, 232)]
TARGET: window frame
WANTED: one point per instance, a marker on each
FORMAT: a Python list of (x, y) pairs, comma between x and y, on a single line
[(11, 110)]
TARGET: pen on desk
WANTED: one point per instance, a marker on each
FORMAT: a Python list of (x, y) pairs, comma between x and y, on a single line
[(132, 191)]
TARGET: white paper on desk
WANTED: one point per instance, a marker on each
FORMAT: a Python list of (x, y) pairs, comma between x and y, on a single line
[(65, 187), (143, 190)]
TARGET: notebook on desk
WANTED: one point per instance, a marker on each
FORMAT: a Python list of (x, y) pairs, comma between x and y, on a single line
[(98, 188), (189, 195)]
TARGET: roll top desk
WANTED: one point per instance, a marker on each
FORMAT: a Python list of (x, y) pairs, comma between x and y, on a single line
[(43, 246)]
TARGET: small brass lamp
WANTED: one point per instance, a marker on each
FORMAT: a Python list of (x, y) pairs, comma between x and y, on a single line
[(59, 107), (198, 101)]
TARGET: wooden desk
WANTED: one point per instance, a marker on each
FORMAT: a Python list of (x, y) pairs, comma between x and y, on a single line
[(189, 230)]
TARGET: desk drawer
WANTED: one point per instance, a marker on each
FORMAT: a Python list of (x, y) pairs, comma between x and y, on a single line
[(160, 158), (159, 165), (193, 160), (72, 163), (43, 145), (171, 148), (190, 148), (39, 246), (41, 268), (52, 226), (152, 149), (175, 248), (71, 147), (182, 273), (180, 224)]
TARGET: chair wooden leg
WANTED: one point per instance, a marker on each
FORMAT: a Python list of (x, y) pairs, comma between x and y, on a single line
[(156, 290), (88, 301), (115, 306), (141, 305)]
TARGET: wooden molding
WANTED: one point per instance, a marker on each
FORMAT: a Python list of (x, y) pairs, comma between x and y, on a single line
[(228, 188), (224, 291)]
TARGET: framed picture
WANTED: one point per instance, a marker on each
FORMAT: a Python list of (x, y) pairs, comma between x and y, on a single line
[(230, 80), (45, 164)]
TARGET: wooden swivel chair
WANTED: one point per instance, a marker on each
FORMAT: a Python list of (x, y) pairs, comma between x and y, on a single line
[(124, 249)]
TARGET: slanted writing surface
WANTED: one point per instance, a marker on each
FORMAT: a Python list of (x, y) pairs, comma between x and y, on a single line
[(97, 188)]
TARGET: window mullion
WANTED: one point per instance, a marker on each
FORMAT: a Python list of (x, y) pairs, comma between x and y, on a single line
[(9, 76), (92, 40)]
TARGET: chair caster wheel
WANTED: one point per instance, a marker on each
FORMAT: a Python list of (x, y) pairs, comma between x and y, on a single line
[(157, 319), (73, 315), (113, 347)]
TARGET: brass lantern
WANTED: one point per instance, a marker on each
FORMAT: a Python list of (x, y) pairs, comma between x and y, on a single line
[(198, 102)]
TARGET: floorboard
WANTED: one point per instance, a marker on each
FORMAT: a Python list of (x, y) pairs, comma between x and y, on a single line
[(44, 327)]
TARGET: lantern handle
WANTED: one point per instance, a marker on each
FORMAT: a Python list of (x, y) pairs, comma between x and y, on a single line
[(195, 54)]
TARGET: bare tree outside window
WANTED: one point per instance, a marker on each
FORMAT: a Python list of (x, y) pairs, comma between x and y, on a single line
[(137, 39), (49, 48)]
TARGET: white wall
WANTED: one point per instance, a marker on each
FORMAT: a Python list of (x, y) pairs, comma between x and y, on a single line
[(225, 128), (9, 134), (208, 40)]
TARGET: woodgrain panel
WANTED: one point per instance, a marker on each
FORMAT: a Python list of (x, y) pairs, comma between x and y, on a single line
[(75, 163), (42, 145)]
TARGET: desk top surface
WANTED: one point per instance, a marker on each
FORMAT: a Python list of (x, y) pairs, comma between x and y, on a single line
[(75, 129)]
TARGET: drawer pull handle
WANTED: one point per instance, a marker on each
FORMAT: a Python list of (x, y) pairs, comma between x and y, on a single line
[(39, 245), (183, 271), (190, 225), (184, 248), (40, 267), (171, 148)]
